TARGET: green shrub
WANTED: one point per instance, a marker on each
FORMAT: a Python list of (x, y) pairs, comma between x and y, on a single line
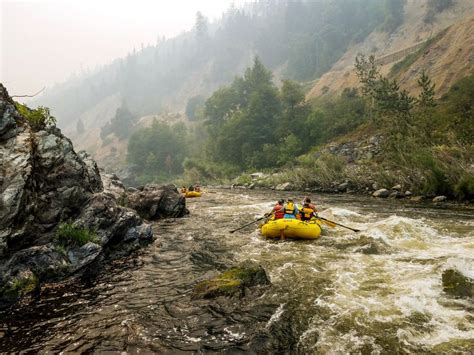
[(21, 285), (39, 119), (70, 235), (464, 189)]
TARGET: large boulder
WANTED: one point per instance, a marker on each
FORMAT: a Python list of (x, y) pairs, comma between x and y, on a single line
[(233, 282), (457, 284), (381, 193), (156, 201), (114, 187), (48, 190), (286, 186)]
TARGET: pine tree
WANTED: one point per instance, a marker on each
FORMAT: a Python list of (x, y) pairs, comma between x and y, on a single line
[(426, 98), (201, 27)]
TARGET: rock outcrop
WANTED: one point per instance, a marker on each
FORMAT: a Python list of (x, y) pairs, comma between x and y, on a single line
[(457, 284), (234, 282), (56, 217)]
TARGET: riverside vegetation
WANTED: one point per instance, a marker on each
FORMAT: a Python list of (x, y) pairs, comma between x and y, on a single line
[(377, 135)]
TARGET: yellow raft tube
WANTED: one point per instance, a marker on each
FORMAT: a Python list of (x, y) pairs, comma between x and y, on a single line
[(192, 194), (292, 228)]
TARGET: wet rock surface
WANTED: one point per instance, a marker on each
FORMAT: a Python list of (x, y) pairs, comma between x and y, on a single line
[(233, 282), (45, 184), (457, 284), (156, 201)]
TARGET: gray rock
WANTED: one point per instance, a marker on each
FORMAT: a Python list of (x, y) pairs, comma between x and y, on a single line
[(284, 187), (408, 193), (114, 186), (396, 194), (343, 187), (93, 174), (84, 255), (45, 262), (382, 193), (233, 282), (258, 175), (457, 284), (440, 198), (43, 182), (397, 187), (157, 201)]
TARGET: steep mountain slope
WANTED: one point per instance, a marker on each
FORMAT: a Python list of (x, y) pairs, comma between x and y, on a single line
[(444, 50), (298, 40)]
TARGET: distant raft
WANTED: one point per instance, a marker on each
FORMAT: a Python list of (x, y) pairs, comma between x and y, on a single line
[(193, 194), (292, 228)]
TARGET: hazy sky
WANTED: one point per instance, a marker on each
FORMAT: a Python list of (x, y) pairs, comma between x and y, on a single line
[(44, 42)]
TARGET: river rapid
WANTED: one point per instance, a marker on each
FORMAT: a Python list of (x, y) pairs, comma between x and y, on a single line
[(376, 291)]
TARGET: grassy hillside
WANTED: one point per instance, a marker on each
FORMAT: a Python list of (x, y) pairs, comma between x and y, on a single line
[(445, 52)]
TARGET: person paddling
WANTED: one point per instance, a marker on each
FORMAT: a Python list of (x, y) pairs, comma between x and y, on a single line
[(306, 212), (277, 211), (308, 201)]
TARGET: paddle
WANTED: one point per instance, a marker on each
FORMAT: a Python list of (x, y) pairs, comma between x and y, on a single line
[(248, 224), (332, 224)]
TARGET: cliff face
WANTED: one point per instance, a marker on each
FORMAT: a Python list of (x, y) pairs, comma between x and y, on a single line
[(49, 191)]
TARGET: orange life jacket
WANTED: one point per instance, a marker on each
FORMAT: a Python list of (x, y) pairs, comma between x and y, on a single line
[(306, 213), (277, 211)]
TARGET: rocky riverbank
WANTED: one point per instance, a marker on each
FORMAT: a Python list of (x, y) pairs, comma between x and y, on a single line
[(343, 188), (58, 214)]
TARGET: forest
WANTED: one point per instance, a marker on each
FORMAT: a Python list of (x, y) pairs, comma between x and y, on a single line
[(253, 125), (301, 39)]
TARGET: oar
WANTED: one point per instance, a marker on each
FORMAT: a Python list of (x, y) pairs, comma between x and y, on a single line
[(333, 224), (248, 224)]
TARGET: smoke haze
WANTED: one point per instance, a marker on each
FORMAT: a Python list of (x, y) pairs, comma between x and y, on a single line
[(45, 42)]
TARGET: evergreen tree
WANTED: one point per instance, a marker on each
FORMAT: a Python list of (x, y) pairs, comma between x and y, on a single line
[(201, 27), (426, 98)]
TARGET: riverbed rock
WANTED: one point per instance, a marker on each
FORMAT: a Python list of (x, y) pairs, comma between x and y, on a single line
[(381, 193), (408, 193), (343, 187), (157, 201), (440, 198), (396, 194), (284, 187), (84, 255), (457, 284), (44, 184), (258, 175), (233, 282)]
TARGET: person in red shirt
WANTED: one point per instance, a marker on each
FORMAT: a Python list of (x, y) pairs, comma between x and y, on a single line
[(278, 210)]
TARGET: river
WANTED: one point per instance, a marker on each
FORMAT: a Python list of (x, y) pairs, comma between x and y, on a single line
[(376, 291)]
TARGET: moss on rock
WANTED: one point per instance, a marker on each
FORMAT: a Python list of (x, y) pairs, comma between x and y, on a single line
[(25, 283), (232, 282)]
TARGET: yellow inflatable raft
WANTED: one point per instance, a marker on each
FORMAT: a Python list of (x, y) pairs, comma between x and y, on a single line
[(193, 194), (292, 228)]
